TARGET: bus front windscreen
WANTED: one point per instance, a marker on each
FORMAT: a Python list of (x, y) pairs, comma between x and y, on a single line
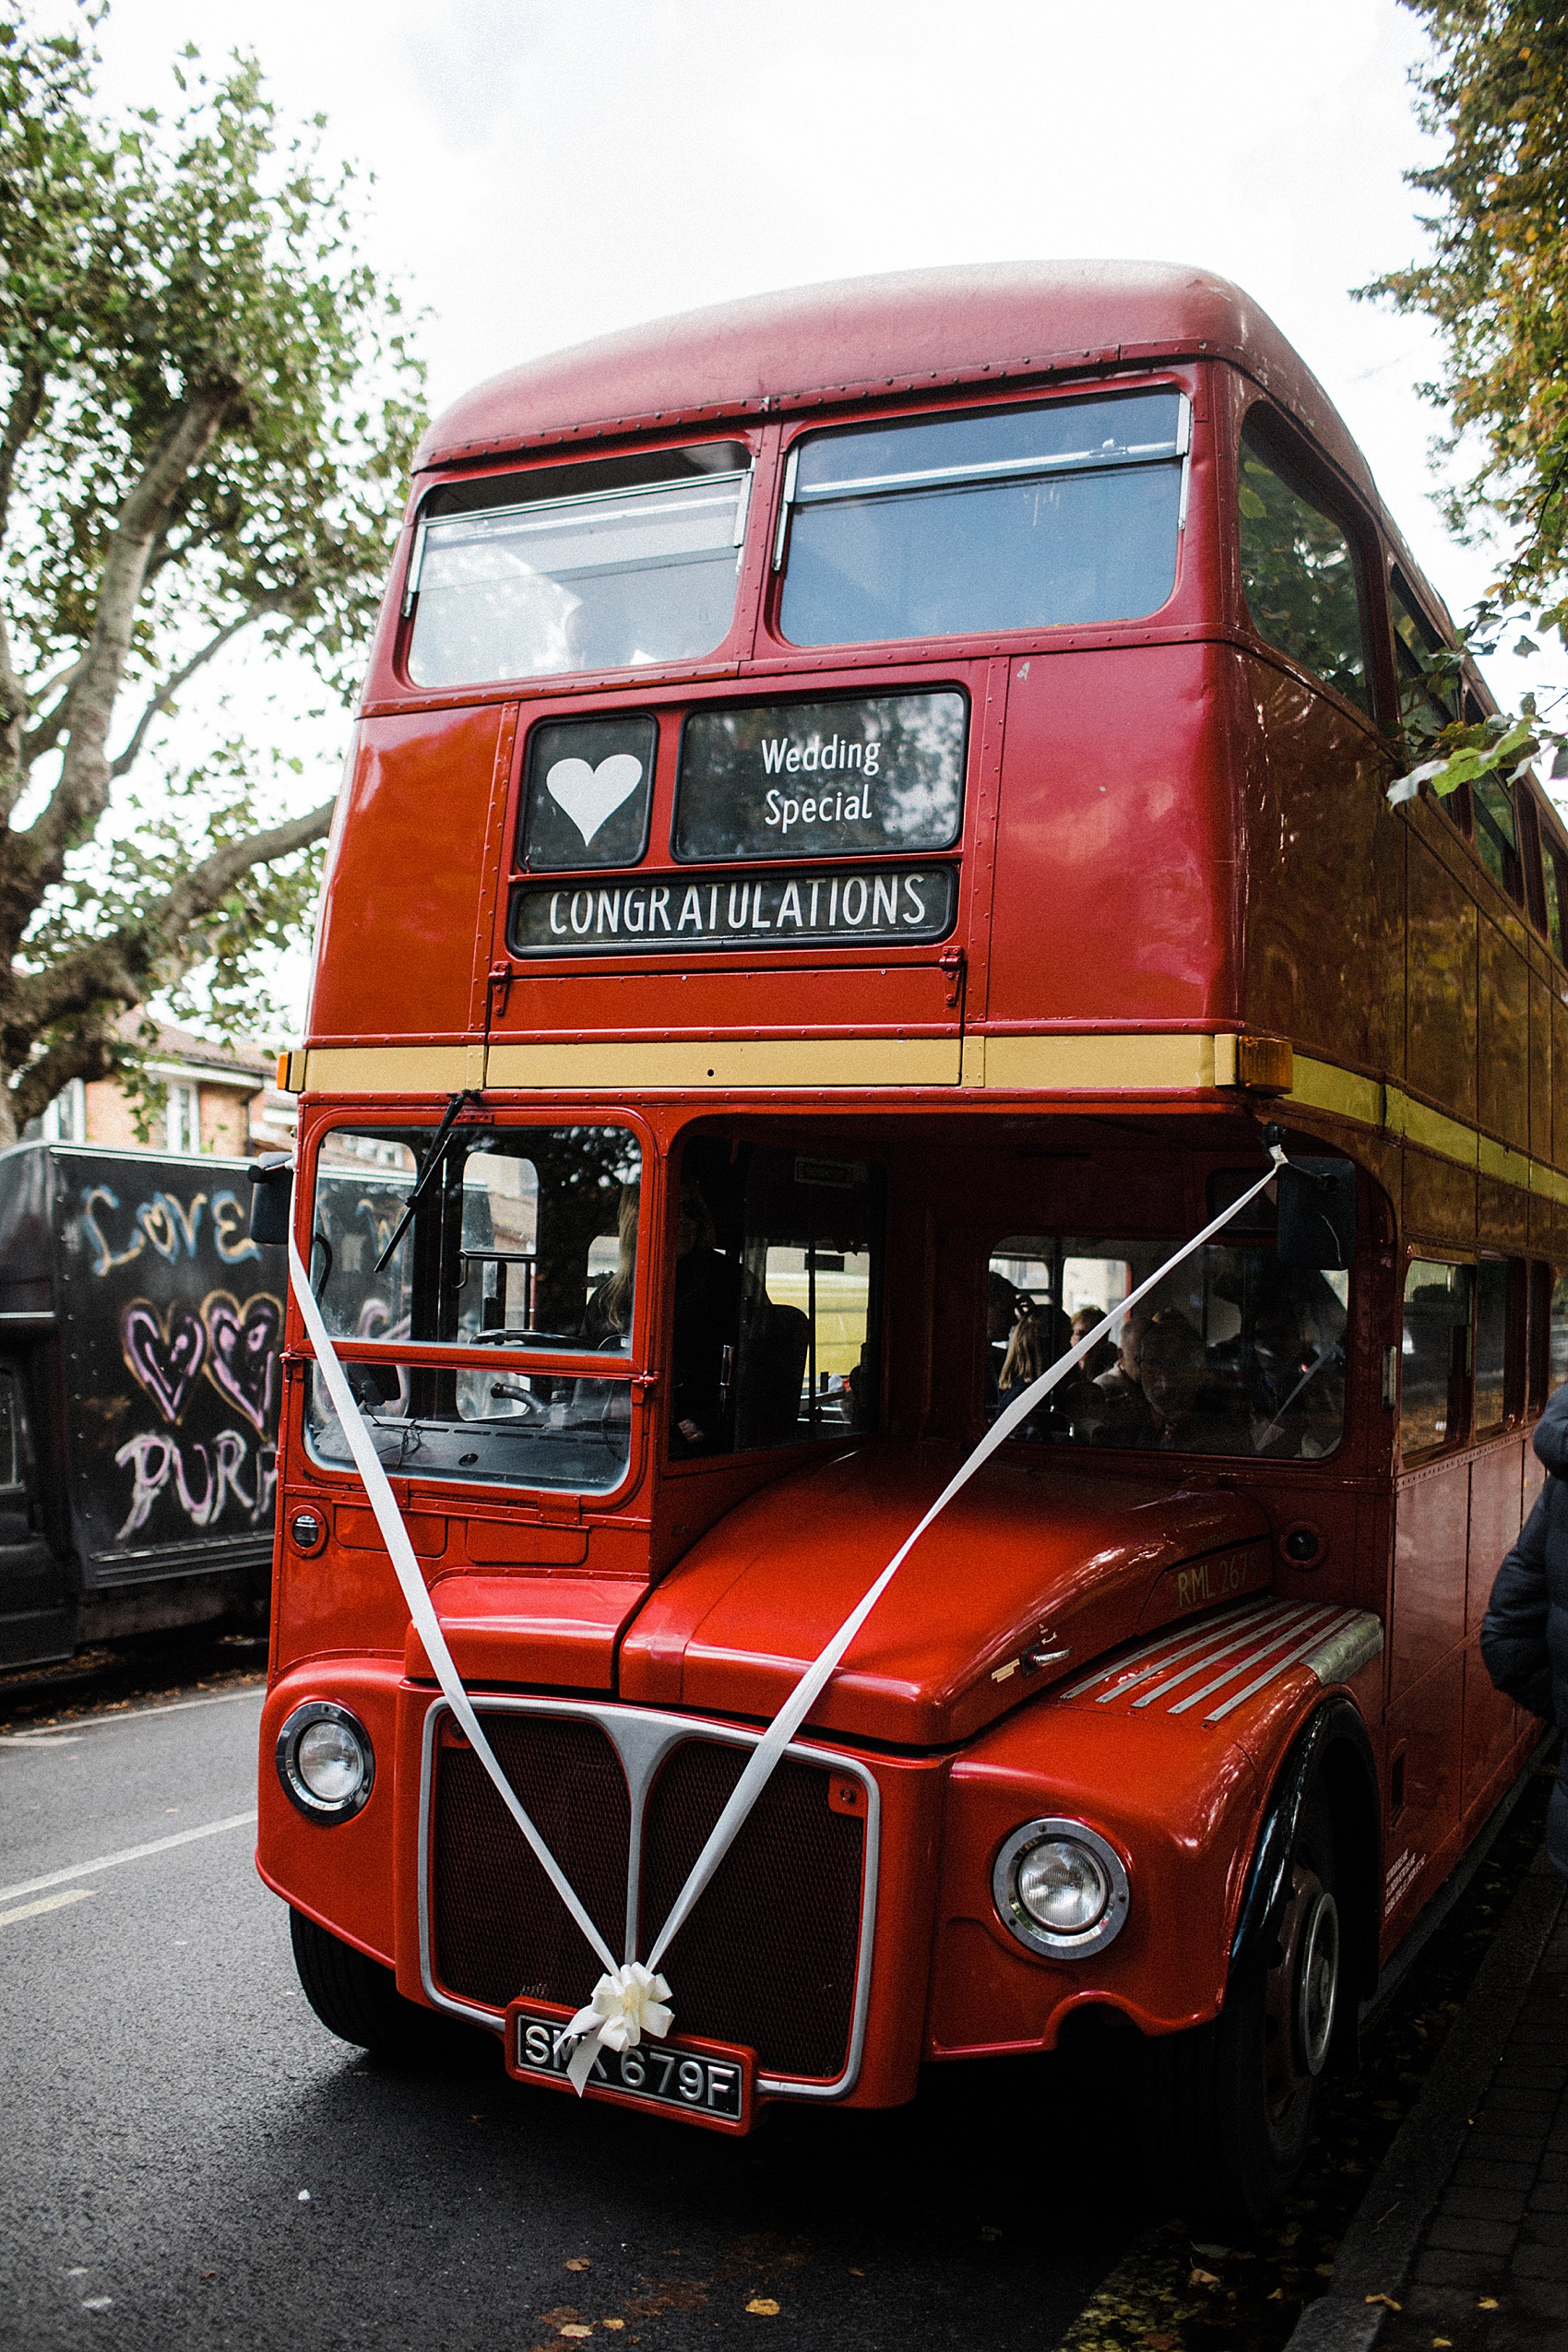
[(1010, 518), (521, 1241)]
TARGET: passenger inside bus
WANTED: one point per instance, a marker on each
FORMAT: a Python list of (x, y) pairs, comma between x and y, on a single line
[(1123, 1416), (1234, 1353), (1192, 1412)]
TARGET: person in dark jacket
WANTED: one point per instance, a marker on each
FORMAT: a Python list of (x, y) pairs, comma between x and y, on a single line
[(1525, 1632)]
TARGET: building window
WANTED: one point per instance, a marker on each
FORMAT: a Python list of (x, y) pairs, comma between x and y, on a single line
[(65, 1119), (183, 1120)]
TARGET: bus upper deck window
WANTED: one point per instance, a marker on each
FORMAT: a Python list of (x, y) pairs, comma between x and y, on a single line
[(1012, 518), (1551, 883), (1424, 663), (1300, 574), (1497, 833), (580, 568)]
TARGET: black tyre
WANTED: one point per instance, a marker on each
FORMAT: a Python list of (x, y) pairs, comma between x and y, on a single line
[(355, 1998), (1232, 2102)]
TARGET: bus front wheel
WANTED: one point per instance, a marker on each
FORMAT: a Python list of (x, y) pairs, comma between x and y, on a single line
[(1233, 2101), (354, 1997)]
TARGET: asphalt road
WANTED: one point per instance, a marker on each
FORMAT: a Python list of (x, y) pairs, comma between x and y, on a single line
[(188, 2158)]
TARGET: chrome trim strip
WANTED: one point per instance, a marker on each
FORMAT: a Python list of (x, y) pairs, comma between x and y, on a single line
[(1318, 1621), (1279, 1624), (1167, 1633), (1152, 453), (591, 498), (1292, 1657), (641, 1739), (1345, 1653), (787, 499)]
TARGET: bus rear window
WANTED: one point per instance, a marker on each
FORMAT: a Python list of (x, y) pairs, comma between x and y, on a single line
[(1016, 518), (610, 579)]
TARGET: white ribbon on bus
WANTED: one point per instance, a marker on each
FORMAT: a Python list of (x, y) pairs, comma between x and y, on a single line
[(632, 1999)]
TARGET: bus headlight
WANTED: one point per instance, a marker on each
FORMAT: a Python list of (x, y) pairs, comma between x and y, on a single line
[(325, 1761), (1060, 1888)]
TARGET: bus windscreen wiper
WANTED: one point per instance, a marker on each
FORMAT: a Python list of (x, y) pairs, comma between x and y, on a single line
[(427, 1174)]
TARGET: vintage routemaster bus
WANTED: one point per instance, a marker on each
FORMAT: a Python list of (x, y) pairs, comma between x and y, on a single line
[(868, 803)]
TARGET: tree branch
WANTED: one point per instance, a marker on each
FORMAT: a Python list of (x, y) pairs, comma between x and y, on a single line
[(58, 684), (160, 701), (153, 951), (82, 793), (45, 733), (26, 400), (85, 1052)]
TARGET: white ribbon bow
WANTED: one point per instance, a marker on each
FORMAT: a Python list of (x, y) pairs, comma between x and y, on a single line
[(626, 2005)]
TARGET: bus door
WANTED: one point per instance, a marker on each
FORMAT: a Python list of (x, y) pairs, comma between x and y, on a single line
[(35, 1615)]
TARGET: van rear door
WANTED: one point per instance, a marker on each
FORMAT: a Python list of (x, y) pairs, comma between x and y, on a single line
[(35, 1613)]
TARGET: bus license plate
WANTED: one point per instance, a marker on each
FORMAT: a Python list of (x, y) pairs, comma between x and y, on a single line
[(706, 2082)]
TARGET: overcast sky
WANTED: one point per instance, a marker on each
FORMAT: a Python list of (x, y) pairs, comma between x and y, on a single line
[(547, 171)]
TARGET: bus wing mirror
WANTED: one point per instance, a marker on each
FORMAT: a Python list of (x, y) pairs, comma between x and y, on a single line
[(1316, 1212), (272, 1196)]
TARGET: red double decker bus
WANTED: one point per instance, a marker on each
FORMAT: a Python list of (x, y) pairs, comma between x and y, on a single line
[(867, 803)]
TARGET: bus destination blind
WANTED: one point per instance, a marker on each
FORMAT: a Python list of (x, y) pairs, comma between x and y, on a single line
[(824, 780), (885, 906)]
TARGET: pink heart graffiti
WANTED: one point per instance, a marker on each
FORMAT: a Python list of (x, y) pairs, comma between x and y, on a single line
[(242, 1360), (166, 1356)]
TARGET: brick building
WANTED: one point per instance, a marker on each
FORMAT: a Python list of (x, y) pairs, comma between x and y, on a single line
[(210, 1098)]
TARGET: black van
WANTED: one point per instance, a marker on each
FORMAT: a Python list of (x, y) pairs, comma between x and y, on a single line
[(140, 1331)]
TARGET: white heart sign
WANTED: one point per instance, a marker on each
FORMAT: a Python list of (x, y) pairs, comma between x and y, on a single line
[(591, 795)]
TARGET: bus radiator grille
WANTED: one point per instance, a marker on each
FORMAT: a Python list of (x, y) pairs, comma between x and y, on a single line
[(768, 1956), (768, 1959), (499, 1928)]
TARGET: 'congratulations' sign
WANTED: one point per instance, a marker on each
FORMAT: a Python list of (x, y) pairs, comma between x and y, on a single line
[(885, 906)]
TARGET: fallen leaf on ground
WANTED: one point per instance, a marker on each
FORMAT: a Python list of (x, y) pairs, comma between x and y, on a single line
[(576, 2261), (1202, 2279), (576, 2330), (559, 2316), (1483, 2303), (1387, 2302), (611, 2323), (764, 2306)]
